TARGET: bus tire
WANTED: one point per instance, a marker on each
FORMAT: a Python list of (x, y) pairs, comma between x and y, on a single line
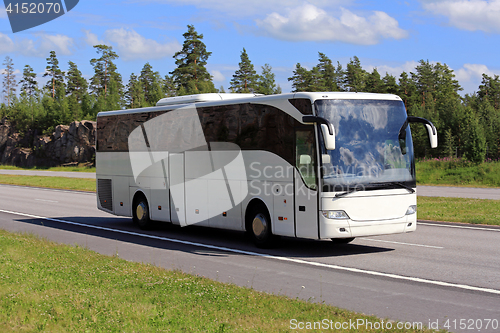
[(140, 212), (342, 240), (259, 227)]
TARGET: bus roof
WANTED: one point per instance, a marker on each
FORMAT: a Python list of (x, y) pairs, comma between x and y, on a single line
[(231, 98), (199, 98)]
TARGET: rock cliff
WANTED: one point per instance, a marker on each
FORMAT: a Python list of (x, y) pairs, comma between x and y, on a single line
[(68, 144)]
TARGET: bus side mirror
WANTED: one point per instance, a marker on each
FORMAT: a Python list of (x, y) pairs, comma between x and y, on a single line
[(431, 129), (328, 138), (327, 130), (433, 138)]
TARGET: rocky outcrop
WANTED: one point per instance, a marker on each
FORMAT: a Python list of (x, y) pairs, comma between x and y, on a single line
[(67, 145)]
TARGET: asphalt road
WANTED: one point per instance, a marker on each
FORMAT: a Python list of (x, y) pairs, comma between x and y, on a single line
[(459, 192), (441, 272)]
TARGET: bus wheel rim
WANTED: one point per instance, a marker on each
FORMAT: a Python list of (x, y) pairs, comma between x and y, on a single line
[(140, 211), (259, 225)]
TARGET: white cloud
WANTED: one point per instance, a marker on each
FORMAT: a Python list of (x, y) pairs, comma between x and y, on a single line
[(217, 76), (6, 44), (471, 75), (395, 71), (468, 14), (60, 43), (472, 72), (3, 12), (132, 45), (310, 23), (39, 46), (4, 71), (245, 8), (91, 38)]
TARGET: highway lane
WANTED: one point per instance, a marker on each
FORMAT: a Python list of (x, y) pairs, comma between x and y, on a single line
[(459, 192), (411, 268)]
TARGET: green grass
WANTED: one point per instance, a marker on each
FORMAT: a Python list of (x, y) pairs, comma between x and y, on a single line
[(46, 287), (477, 211), (79, 168), (79, 184), (457, 172)]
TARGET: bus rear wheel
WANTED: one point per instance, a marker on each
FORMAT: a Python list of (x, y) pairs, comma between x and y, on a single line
[(259, 227), (342, 240), (140, 213)]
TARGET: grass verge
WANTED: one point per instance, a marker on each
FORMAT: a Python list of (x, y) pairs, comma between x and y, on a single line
[(458, 172), (80, 184), (79, 168), (476, 211), (58, 288)]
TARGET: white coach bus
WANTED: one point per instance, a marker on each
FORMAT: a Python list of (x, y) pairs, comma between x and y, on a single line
[(330, 165)]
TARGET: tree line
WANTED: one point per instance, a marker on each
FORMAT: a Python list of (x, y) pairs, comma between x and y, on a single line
[(467, 126)]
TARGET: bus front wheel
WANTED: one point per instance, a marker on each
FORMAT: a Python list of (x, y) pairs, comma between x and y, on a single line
[(259, 227), (140, 211)]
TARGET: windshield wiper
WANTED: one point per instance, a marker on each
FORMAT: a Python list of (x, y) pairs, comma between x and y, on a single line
[(390, 184), (350, 190), (375, 186)]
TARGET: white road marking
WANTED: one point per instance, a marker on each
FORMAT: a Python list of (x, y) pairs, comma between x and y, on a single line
[(46, 200), (457, 226), (386, 241), (268, 256)]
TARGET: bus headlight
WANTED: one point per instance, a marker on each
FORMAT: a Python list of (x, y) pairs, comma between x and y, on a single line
[(335, 214), (411, 210)]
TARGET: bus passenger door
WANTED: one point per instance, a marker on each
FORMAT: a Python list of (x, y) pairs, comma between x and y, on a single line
[(305, 181), (176, 183)]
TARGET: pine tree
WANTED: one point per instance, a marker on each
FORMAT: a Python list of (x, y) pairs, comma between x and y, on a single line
[(134, 94), (151, 85), (9, 81), (245, 78), (424, 80), (76, 90), (54, 72), (105, 71), (390, 85), (169, 88), (191, 76), (76, 83), (329, 75), (490, 90), (489, 118), (407, 90), (267, 83), (301, 79), (474, 140), (355, 76), (316, 82), (374, 83), (29, 85)]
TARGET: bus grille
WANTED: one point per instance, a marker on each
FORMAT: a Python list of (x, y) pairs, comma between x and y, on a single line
[(104, 190)]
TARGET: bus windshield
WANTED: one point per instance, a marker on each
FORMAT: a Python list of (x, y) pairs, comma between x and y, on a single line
[(372, 151)]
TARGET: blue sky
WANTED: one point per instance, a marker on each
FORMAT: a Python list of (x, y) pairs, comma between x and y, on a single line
[(389, 35)]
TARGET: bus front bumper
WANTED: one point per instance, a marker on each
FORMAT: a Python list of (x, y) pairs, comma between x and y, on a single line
[(331, 228)]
